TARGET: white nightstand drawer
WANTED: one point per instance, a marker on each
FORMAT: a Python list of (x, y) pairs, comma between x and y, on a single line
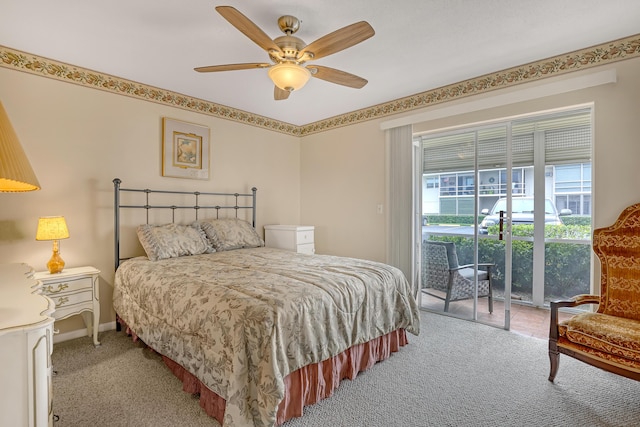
[(307, 248), (53, 288), (71, 299), (304, 237)]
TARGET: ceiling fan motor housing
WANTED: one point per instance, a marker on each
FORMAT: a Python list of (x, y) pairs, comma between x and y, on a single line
[(290, 46)]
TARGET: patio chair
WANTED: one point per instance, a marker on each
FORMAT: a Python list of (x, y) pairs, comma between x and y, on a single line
[(610, 337), (452, 282)]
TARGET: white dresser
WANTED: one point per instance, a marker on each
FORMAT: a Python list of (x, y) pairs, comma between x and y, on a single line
[(297, 238), (26, 344)]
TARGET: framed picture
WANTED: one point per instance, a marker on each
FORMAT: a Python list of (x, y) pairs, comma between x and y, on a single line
[(185, 149)]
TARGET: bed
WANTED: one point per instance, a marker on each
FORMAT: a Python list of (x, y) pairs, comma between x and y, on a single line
[(258, 332)]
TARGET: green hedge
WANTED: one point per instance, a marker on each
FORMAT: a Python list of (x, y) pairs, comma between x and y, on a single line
[(576, 220), (550, 231), (450, 219), (468, 219)]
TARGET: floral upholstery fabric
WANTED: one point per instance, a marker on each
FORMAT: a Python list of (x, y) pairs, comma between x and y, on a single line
[(618, 248), (609, 358), (240, 321), (609, 334)]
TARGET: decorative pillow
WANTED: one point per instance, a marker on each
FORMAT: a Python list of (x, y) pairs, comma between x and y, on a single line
[(172, 240), (230, 233)]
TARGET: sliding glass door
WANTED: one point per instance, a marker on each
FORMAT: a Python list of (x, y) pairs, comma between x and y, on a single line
[(513, 198), (463, 267), (552, 252)]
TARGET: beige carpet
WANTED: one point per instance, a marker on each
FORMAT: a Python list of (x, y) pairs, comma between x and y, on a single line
[(455, 373)]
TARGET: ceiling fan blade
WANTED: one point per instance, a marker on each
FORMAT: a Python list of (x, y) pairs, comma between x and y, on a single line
[(279, 94), (231, 67), (247, 27), (336, 76), (339, 40)]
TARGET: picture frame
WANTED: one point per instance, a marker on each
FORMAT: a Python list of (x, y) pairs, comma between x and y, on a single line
[(185, 149)]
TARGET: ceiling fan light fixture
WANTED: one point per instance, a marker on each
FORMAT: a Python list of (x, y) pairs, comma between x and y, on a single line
[(288, 76)]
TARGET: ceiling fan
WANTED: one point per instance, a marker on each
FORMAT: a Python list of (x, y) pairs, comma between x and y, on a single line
[(289, 53)]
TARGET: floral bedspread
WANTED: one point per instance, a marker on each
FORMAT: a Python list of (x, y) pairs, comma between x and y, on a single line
[(242, 320)]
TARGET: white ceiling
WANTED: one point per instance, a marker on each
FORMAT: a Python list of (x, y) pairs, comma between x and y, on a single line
[(419, 45)]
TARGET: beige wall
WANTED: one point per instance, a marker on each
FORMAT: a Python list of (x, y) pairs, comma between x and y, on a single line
[(342, 184), (79, 139)]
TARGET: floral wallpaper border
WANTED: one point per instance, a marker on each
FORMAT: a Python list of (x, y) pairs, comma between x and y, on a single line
[(618, 50)]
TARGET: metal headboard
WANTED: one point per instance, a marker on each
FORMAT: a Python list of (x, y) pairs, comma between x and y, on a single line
[(238, 197)]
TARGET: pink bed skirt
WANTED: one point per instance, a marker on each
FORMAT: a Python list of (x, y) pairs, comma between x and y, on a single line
[(307, 385)]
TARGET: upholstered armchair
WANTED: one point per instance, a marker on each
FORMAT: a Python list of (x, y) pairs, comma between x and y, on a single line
[(445, 279), (610, 337)]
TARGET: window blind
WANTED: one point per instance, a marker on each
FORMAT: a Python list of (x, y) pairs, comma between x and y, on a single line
[(567, 138)]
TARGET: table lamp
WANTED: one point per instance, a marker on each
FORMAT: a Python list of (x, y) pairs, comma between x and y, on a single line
[(53, 228)]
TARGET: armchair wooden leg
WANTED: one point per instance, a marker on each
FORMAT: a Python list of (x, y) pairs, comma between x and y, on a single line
[(554, 358), (554, 355)]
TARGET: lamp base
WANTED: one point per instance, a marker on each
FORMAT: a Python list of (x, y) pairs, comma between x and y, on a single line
[(56, 263)]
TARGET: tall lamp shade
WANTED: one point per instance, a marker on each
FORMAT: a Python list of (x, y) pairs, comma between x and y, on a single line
[(16, 174), (53, 228)]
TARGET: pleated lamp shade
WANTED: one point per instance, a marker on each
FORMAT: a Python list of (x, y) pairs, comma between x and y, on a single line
[(52, 228), (16, 174)]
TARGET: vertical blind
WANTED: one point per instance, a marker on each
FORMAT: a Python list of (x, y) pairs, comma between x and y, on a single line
[(399, 147)]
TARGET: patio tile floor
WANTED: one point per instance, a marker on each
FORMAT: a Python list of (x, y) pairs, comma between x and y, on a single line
[(525, 319)]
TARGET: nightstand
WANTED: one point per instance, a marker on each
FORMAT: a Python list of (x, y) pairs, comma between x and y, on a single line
[(74, 291), (297, 238)]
